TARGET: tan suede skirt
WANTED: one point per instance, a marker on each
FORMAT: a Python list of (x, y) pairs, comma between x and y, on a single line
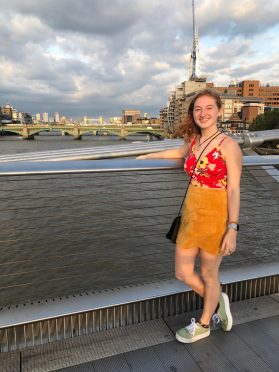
[(204, 219)]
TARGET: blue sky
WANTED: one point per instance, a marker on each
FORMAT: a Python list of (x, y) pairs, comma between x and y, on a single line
[(98, 57)]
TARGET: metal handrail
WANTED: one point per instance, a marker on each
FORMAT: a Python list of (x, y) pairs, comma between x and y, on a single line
[(246, 140), (115, 165), (253, 139)]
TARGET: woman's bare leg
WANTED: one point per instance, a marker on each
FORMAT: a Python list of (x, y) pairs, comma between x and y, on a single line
[(210, 276), (184, 269)]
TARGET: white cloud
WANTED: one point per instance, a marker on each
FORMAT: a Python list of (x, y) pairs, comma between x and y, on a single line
[(102, 56)]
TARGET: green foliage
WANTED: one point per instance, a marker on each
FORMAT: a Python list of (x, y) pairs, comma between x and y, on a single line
[(266, 121)]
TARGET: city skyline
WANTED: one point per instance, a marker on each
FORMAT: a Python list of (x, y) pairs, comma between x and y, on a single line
[(98, 57)]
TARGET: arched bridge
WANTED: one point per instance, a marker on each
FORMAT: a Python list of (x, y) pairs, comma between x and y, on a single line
[(77, 131)]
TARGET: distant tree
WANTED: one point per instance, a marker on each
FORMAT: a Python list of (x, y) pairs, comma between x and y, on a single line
[(266, 121)]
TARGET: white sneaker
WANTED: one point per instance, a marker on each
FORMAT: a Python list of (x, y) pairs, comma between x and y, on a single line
[(223, 314)]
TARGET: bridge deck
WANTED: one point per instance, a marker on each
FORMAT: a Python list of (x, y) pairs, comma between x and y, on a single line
[(252, 345), (30, 130)]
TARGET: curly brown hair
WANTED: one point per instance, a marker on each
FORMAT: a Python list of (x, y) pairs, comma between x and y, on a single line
[(188, 128)]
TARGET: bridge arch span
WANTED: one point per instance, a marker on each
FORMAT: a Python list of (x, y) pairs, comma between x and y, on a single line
[(7, 130), (37, 131), (108, 131)]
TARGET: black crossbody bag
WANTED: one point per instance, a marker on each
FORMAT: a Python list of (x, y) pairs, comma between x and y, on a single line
[(173, 231)]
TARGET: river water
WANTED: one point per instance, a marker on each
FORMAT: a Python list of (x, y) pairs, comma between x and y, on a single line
[(67, 234), (77, 233), (43, 142)]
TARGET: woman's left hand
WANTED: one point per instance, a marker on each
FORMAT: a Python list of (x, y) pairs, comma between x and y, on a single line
[(228, 246)]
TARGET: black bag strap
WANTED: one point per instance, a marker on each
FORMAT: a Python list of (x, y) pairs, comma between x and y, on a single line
[(194, 171)]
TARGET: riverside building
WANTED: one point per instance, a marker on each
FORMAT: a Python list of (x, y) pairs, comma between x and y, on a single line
[(269, 93), (45, 117), (130, 116)]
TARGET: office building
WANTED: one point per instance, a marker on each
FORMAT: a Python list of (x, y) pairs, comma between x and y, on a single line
[(45, 117), (269, 93), (130, 116), (57, 117)]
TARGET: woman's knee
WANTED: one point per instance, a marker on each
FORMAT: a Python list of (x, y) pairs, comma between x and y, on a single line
[(183, 272), (185, 277), (209, 275), (210, 267), (179, 275)]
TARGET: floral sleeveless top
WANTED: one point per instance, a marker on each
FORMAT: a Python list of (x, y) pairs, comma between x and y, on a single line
[(211, 170)]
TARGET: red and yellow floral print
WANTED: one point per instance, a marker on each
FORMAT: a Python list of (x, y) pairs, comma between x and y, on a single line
[(211, 170)]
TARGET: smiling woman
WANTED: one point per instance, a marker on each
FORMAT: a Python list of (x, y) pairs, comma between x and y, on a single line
[(210, 212)]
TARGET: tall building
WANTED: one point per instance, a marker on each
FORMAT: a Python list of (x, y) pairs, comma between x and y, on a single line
[(178, 101), (7, 110), (10, 112), (130, 116), (38, 118), (164, 119), (45, 117), (253, 88), (6, 114), (171, 111), (57, 117), (194, 59)]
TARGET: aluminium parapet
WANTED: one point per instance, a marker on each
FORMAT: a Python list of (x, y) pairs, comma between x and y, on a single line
[(115, 165), (254, 139), (246, 139)]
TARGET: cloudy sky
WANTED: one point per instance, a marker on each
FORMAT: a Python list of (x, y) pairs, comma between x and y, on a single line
[(97, 57)]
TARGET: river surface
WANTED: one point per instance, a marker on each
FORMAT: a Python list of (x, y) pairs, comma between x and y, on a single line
[(43, 142), (67, 234)]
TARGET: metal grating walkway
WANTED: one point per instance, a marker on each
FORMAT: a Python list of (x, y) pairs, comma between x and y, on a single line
[(252, 345)]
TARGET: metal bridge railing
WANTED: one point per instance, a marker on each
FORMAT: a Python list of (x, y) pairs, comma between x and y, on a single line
[(77, 235), (246, 140)]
